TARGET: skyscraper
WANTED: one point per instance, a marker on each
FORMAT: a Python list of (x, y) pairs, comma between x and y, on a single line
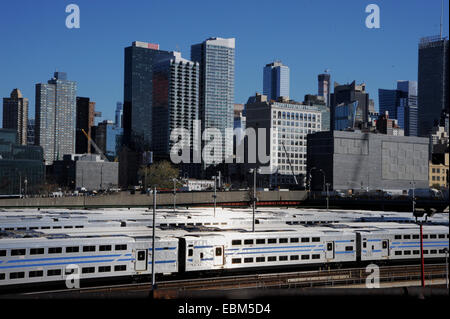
[(138, 93), (216, 58), (175, 100), (324, 87), (119, 115), (276, 80), (56, 117), (433, 76), (15, 115), (85, 121), (348, 94)]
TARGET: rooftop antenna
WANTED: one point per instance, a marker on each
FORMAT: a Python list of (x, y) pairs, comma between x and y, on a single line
[(442, 17)]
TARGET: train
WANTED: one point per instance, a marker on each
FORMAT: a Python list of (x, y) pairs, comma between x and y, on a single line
[(38, 258)]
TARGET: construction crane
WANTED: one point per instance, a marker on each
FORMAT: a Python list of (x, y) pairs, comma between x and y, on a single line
[(289, 161), (97, 149)]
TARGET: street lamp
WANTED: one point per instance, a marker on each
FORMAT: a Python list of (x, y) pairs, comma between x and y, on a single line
[(413, 198), (153, 241), (254, 199), (215, 195), (328, 185), (174, 194)]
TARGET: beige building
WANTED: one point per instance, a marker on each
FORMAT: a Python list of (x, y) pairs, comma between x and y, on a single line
[(438, 173)]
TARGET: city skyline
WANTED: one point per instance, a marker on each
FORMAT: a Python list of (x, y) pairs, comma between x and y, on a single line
[(99, 72)]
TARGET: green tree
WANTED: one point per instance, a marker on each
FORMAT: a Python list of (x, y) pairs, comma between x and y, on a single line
[(159, 174)]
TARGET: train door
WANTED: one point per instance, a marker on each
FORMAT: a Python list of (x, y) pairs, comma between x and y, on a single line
[(329, 253), (141, 260), (218, 255), (385, 248)]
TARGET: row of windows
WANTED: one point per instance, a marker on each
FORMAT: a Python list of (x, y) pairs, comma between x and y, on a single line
[(191, 224), (262, 241), (425, 236), (417, 252), (273, 258), (59, 250), (57, 272), (43, 227)]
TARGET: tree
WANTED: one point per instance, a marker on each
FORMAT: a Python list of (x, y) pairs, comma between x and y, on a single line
[(160, 174)]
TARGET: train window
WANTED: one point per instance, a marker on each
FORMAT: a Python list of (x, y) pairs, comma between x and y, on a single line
[(447, 235), (236, 260), (349, 248), (294, 257), (398, 237), (283, 240), (55, 250), (330, 246), (32, 228), (190, 252), (416, 252), (283, 258), (104, 269), (2, 276), (219, 251), (305, 240), (201, 255), (441, 235), (54, 272), (73, 249), (442, 251), (407, 252), (415, 236), (305, 257), (248, 260), (315, 239), (141, 255), (425, 252), (88, 248), (433, 251), (385, 245), (21, 228), (272, 258), (36, 273), (316, 256), (16, 275), (398, 252), (260, 259), (406, 236), (425, 236), (121, 247), (57, 227), (236, 242), (105, 247), (88, 270), (80, 226), (294, 240), (248, 242), (272, 241), (433, 236), (17, 252), (120, 268), (260, 241), (36, 251), (2, 253), (364, 244), (68, 226)]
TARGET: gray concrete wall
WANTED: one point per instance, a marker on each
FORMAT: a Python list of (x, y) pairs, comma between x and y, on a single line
[(126, 199)]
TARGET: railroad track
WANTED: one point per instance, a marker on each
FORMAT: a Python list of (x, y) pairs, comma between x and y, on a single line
[(298, 279)]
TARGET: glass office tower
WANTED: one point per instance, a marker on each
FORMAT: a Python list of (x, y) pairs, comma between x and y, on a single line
[(276, 80), (216, 58), (56, 117)]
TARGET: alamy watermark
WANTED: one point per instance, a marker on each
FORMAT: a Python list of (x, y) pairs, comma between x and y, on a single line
[(72, 276), (73, 19), (373, 19), (373, 279)]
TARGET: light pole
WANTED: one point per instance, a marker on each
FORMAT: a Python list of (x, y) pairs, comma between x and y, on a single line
[(413, 198), (101, 176), (446, 265), (328, 185), (26, 183), (174, 194), (153, 240), (254, 199)]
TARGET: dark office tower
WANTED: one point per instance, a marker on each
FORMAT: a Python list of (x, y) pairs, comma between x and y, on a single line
[(56, 117), (388, 101), (119, 115), (324, 87), (85, 121), (15, 115), (346, 95), (276, 81), (30, 132), (138, 93), (407, 111), (433, 76), (175, 101), (216, 59)]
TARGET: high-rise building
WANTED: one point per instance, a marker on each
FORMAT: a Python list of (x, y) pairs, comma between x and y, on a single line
[(56, 117), (433, 86), (119, 115), (108, 138), (138, 93), (175, 101), (276, 80), (15, 115), (348, 94), (30, 132), (85, 121), (216, 100), (324, 87)]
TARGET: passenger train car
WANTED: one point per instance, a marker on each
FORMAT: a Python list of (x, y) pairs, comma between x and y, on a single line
[(51, 255)]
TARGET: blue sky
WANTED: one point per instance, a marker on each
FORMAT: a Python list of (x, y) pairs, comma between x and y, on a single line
[(307, 35)]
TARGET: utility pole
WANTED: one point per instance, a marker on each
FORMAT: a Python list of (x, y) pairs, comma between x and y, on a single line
[(174, 195), (215, 195), (254, 199), (422, 271), (328, 185), (153, 241)]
